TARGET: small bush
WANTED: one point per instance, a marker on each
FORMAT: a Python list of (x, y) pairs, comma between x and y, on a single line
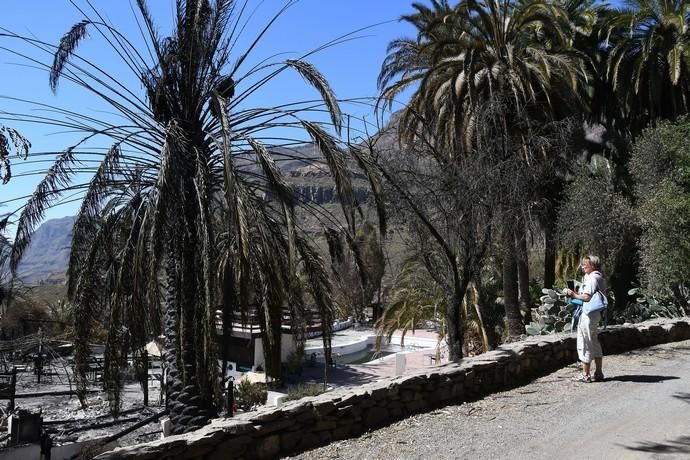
[(303, 390), (250, 395)]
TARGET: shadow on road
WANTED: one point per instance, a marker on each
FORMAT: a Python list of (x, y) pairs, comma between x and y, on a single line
[(642, 378), (341, 375), (682, 396), (680, 445)]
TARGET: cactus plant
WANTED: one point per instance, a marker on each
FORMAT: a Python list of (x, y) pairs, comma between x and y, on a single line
[(645, 307), (553, 315)]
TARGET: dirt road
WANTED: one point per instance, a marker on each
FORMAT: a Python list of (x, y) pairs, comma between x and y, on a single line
[(641, 411)]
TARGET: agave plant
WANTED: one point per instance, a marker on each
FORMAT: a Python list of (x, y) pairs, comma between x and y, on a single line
[(187, 209)]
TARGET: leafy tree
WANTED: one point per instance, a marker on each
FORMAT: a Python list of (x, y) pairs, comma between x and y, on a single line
[(661, 168), (187, 194), (598, 219)]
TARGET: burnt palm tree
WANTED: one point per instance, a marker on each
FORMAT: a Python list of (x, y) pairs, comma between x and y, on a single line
[(188, 203), (12, 143)]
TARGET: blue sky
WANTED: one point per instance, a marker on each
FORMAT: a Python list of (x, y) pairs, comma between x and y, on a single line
[(351, 67)]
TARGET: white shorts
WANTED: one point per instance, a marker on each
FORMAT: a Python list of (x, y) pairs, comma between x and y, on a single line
[(588, 346)]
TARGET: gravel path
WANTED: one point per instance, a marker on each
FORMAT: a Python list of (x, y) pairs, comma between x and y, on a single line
[(642, 410)]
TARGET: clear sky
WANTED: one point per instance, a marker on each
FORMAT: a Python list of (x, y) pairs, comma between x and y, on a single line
[(351, 67)]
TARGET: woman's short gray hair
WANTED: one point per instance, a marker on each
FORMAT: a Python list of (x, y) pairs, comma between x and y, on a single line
[(594, 261)]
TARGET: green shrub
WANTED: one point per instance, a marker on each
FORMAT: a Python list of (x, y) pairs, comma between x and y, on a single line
[(595, 216), (250, 395), (660, 166)]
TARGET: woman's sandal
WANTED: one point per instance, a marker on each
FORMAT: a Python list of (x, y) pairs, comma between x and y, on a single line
[(582, 378)]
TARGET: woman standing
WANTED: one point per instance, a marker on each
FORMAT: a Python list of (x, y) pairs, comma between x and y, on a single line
[(594, 302)]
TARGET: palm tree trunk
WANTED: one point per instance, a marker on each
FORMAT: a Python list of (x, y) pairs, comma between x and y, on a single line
[(228, 309), (510, 285), (624, 271), (188, 411), (271, 338)]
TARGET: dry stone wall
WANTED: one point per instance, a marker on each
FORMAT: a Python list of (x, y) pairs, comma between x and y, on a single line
[(311, 422)]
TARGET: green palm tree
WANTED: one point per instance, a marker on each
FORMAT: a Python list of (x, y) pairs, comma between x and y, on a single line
[(648, 44), (518, 50), (416, 299), (188, 203), (516, 55)]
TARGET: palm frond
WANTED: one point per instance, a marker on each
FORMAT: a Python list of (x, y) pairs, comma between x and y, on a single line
[(319, 82), (47, 193), (68, 44), (336, 163)]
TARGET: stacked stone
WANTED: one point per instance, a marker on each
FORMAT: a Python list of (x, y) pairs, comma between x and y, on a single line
[(311, 422)]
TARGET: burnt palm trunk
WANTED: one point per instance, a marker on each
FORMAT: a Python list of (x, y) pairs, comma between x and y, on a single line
[(271, 338), (187, 408), (229, 296)]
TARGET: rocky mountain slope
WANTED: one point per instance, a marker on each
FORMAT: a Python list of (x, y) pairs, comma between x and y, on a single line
[(47, 257)]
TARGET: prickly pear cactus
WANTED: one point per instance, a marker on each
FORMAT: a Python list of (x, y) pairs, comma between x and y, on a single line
[(553, 315)]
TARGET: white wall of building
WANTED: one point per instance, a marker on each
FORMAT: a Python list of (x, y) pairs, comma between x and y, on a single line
[(287, 346)]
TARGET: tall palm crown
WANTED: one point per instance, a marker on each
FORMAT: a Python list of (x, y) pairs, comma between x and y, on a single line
[(649, 47), (481, 50), (189, 191)]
